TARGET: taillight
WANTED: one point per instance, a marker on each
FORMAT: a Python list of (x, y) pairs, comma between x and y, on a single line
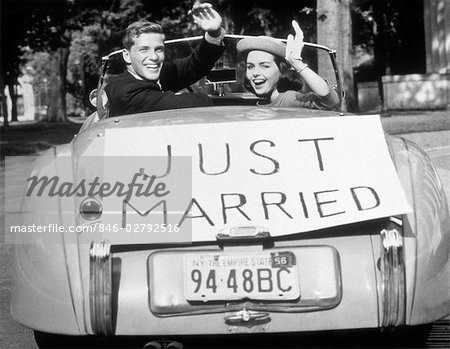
[(100, 288), (393, 277)]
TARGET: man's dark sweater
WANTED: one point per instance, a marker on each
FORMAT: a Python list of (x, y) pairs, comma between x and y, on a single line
[(128, 95)]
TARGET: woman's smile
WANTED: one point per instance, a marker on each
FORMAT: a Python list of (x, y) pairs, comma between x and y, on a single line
[(262, 73)]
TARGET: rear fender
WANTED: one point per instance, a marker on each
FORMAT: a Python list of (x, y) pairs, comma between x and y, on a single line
[(426, 232), (46, 287)]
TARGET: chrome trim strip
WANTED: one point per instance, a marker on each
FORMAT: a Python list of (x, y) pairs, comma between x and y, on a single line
[(239, 233), (100, 288), (107, 57), (393, 275), (246, 316), (236, 36), (396, 220)]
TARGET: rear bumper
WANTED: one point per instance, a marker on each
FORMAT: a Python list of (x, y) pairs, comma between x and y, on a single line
[(343, 298), (340, 279)]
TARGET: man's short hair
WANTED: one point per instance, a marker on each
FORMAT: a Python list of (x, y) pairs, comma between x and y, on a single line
[(137, 28)]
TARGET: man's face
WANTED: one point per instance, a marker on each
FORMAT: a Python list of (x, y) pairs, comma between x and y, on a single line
[(146, 56)]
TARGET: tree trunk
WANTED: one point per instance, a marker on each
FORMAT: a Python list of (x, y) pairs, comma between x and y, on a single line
[(334, 29), (381, 45), (12, 88), (4, 105), (57, 108)]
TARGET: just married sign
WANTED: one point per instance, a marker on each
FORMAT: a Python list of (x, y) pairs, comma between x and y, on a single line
[(287, 176)]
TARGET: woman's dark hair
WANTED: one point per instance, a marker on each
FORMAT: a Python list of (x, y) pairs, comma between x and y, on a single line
[(289, 80)]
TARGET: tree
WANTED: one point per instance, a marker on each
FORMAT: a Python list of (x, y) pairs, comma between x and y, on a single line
[(392, 34), (36, 27), (39, 69), (99, 32), (52, 32), (4, 106), (76, 33), (334, 31), (12, 13), (48, 27)]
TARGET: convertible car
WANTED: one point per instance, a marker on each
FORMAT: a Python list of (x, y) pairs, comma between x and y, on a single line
[(231, 219)]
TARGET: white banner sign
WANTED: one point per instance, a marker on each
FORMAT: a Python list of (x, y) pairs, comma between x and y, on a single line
[(287, 175)]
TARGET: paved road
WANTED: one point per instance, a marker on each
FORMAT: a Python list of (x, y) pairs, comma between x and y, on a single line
[(15, 336)]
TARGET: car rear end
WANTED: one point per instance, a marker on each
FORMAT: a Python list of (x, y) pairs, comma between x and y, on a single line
[(243, 278)]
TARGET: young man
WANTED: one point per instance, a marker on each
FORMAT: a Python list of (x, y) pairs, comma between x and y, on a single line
[(150, 83)]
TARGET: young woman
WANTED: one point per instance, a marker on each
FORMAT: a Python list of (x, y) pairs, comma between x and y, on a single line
[(264, 59)]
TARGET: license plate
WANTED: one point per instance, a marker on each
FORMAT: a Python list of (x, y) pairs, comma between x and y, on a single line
[(225, 277)]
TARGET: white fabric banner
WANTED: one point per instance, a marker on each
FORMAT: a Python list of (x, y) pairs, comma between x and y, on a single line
[(286, 176)]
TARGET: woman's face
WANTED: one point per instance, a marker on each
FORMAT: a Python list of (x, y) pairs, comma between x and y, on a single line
[(262, 72)]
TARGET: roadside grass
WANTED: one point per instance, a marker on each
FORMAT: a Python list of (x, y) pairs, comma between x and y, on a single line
[(416, 121)]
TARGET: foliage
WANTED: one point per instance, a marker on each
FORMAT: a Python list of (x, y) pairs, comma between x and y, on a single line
[(11, 51), (388, 31), (38, 69), (12, 17), (90, 29), (93, 29)]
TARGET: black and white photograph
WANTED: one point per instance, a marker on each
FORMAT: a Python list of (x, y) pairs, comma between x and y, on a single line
[(225, 174)]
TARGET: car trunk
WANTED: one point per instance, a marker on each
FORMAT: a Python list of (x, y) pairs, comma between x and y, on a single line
[(241, 278)]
